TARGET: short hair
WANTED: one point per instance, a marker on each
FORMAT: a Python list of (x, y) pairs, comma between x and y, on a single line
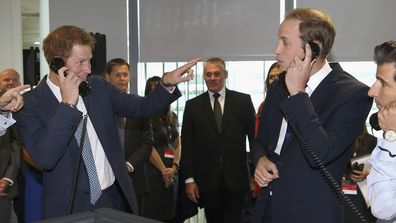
[(218, 61), (59, 43), (386, 53), (115, 62), (314, 25)]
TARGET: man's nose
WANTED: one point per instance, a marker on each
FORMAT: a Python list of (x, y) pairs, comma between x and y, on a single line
[(372, 91)]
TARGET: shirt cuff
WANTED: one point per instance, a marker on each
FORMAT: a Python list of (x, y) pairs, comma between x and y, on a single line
[(189, 180), (9, 180), (6, 122), (130, 167)]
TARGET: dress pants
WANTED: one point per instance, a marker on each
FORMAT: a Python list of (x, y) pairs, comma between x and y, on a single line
[(223, 205)]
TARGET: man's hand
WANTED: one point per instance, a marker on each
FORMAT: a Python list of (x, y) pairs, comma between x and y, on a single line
[(387, 117), (299, 72), (11, 100), (192, 192), (3, 185), (68, 86), (266, 171), (176, 76), (358, 176)]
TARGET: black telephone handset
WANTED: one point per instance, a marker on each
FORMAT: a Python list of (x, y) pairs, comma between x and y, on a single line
[(374, 121), (57, 63), (315, 49), (357, 166), (315, 53)]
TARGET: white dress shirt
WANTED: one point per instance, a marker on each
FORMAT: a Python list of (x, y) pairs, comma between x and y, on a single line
[(103, 168), (381, 181), (5, 122), (313, 83)]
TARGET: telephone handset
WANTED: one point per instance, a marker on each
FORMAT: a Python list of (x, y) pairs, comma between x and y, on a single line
[(315, 53), (315, 49), (374, 121), (57, 63)]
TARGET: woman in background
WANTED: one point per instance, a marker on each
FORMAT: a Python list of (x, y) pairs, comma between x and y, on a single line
[(160, 202)]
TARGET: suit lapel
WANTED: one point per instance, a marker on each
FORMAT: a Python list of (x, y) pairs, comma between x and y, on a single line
[(228, 104), (96, 119)]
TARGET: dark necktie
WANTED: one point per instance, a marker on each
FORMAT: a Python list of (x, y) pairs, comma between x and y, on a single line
[(217, 111), (94, 185)]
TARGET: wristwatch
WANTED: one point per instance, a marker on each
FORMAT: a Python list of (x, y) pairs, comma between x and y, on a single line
[(390, 135)]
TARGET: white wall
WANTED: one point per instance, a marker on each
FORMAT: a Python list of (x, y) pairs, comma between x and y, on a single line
[(11, 36), (102, 16)]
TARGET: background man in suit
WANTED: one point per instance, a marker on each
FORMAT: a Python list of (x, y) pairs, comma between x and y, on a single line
[(54, 118), (326, 105), (10, 156), (135, 133), (10, 99), (214, 161), (382, 177)]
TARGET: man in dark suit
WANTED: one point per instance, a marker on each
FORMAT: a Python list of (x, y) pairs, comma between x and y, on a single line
[(214, 161), (54, 118), (326, 107), (10, 158), (136, 134)]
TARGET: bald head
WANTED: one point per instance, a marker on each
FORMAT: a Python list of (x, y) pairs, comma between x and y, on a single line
[(9, 78)]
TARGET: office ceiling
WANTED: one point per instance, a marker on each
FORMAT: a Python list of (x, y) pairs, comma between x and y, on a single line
[(30, 23)]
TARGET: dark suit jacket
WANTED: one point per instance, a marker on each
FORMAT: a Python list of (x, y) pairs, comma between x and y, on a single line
[(47, 131), (138, 145), (206, 153), (328, 121), (10, 159)]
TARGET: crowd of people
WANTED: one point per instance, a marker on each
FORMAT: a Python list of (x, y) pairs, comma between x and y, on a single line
[(113, 149)]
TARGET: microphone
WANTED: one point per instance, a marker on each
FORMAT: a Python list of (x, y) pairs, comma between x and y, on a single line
[(374, 121)]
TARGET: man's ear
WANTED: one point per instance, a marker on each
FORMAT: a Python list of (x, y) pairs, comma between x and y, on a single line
[(106, 76), (226, 74)]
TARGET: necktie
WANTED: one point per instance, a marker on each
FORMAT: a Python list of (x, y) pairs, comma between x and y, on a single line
[(217, 111), (94, 185)]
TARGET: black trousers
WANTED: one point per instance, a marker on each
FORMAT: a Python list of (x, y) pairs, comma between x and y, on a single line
[(223, 205)]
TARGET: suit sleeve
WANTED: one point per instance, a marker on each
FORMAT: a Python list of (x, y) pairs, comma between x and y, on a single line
[(52, 137), (328, 138), (15, 156), (142, 153), (187, 141), (250, 122)]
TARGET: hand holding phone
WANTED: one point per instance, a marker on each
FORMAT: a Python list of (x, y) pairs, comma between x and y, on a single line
[(57, 63), (357, 166)]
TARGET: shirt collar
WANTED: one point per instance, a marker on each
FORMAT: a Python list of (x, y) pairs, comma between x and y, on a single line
[(318, 77), (222, 93), (55, 89)]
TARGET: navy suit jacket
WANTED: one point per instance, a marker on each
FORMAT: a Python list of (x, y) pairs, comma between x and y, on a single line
[(206, 153), (328, 121), (47, 131)]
